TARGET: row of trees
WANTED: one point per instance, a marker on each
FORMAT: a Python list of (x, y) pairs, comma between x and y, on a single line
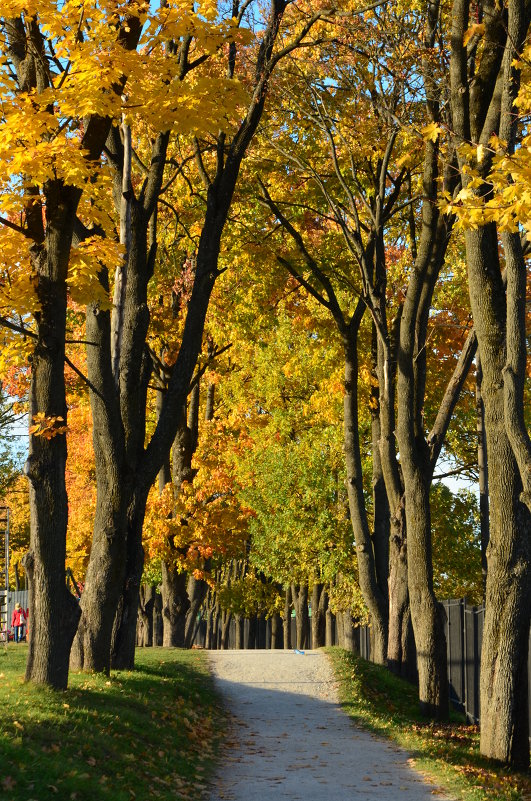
[(349, 271)]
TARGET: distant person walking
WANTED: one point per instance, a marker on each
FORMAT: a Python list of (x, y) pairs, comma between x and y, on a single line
[(18, 621)]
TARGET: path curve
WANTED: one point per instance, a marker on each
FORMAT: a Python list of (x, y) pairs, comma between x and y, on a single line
[(291, 739)]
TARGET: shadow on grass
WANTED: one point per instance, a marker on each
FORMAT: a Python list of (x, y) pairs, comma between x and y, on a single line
[(388, 705), (148, 733)]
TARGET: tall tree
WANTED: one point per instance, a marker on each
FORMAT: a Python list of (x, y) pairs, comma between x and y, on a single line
[(45, 170), (484, 85), (140, 465)]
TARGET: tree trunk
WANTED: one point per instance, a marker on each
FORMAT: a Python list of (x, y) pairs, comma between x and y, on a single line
[(253, 632), (330, 638), (239, 621), (157, 620), (175, 605), (123, 638), (208, 634), (105, 573), (286, 620), (225, 629), (347, 632), (319, 606), (372, 593), (426, 613), (380, 505), (504, 652), (483, 473), (276, 631), (401, 657), (302, 619), (197, 590), (54, 613), (147, 604)]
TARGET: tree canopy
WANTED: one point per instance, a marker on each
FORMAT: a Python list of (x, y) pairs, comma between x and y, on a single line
[(263, 292)]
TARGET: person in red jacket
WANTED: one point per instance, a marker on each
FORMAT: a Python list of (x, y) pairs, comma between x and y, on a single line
[(17, 622)]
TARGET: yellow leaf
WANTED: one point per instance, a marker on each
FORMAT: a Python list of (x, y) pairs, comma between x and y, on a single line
[(431, 132), (475, 30)]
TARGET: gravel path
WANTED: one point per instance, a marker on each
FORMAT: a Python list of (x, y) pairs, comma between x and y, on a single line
[(291, 740)]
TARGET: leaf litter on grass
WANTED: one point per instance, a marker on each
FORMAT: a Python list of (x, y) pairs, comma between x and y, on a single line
[(153, 730)]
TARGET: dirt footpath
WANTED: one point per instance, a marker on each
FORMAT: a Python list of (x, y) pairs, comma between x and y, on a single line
[(291, 740)]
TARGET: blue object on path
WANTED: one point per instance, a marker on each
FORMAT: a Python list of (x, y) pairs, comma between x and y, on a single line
[(296, 651)]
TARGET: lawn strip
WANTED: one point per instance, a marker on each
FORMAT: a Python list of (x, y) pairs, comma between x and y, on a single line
[(151, 733), (447, 754)]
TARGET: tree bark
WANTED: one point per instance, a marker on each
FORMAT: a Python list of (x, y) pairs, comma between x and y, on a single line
[(483, 479), (401, 644), (287, 618), (504, 730), (157, 620), (105, 573), (302, 619), (276, 631), (197, 590), (498, 320), (225, 629), (330, 628), (147, 606), (347, 632), (54, 613), (123, 635), (175, 605), (239, 621), (319, 606), (372, 593)]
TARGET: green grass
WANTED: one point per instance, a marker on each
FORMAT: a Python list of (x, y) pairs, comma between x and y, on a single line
[(447, 754), (146, 734)]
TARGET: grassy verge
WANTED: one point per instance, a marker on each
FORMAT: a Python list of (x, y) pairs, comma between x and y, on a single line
[(448, 754), (146, 734)]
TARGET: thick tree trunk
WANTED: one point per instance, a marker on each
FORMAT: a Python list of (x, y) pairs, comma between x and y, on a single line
[(499, 321), (302, 619), (401, 658), (145, 464), (504, 653), (276, 631), (347, 631), (103, 639), (105, 574), (197, 590), (372, 593), (147, 604), (426, 613), (54, 613), (123, 639), (175, 605)]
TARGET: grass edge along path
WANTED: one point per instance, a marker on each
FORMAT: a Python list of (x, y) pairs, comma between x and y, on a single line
[(151, 733), (447, 754)]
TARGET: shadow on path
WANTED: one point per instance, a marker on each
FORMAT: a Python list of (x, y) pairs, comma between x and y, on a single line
[(290, 738)]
